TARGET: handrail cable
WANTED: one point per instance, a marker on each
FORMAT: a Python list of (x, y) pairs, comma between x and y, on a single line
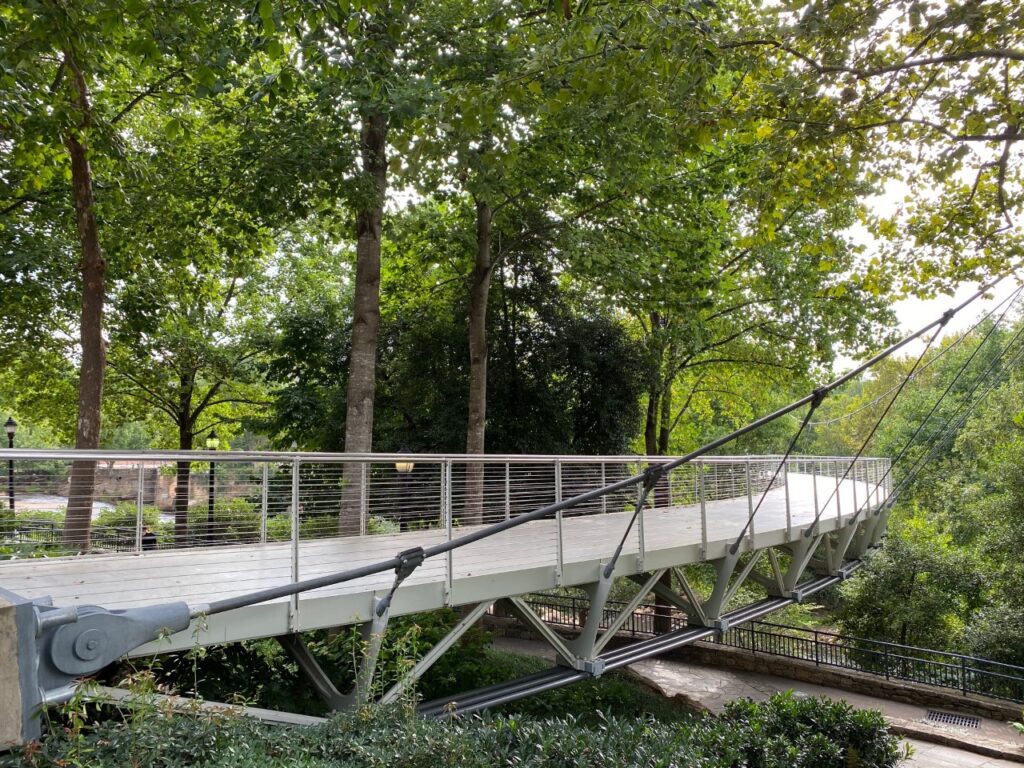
[(417, 555)]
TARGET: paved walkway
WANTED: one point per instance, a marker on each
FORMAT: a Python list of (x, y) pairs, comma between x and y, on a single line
[(711, 688)]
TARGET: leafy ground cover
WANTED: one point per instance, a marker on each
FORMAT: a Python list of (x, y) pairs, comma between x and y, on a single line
[(785, 732)]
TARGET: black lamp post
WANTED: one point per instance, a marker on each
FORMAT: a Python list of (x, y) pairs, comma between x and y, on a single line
[(212, 441), (10, 427), (403, 467)]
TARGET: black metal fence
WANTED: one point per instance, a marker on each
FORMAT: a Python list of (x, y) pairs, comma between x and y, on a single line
[(571, 612), (967, 674)]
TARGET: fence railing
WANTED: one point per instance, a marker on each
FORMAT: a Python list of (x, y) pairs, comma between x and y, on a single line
[(966, 674), (143, 501)]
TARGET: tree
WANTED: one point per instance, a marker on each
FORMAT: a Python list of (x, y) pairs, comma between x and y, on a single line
[(927, 93), (918, 590), (76, 75)]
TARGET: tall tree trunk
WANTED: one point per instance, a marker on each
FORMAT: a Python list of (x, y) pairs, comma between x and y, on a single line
[(93, 270), (665, 418), (365, 319), (476, 426), (183, 481), (651, 422)]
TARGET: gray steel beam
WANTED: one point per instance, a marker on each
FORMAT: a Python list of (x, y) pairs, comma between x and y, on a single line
[(435, 653)]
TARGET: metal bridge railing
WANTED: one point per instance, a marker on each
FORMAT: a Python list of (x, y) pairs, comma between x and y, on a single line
[(940, 669), (145, 501)]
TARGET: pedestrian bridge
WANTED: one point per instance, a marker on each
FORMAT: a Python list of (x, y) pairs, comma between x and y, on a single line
[(247, 545)]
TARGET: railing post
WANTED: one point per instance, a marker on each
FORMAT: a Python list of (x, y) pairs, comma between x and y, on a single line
[(885, 660), (446, 512), (750, 503), (789, 513), (293, 617), (817, 651), (640, 530), (963, 675), (839, 507), (814, 488), (264, 501), (558, 524), (139, 503), (855, 507), (508, 492), (364, 499), (703, 513), (604, 497)]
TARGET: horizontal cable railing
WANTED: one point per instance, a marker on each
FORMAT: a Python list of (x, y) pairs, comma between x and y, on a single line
[(940, 669), (167, 500)]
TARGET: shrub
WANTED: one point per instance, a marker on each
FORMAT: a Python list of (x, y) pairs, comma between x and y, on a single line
[(824, 735)]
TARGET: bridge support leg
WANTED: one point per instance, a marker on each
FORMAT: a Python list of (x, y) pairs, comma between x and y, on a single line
[(408, 682), (373, 635), (597, 591), (801, 552), (652, 582), (525, 614), (313, 671)]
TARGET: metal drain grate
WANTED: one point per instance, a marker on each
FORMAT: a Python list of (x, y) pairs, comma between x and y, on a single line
[(949, 718)]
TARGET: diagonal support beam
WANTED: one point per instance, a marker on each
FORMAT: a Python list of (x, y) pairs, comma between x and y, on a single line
[(373, 635), (435, 653), (724, 568), (309, 666), (627, 610), (801, 552), (696, 606), (525, 614)]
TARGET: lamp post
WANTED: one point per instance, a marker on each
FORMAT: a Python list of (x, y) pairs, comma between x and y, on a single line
[(403, 467), (10, 427), (212, 441)]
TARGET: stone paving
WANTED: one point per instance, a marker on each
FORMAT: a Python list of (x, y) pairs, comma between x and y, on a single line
[(709, 689)]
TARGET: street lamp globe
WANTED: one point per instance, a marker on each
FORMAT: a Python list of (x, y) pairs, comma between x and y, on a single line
[(212, 441), (404, 466), (10, 426)]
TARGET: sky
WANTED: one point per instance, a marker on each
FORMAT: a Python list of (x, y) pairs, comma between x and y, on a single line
[(915, 314)]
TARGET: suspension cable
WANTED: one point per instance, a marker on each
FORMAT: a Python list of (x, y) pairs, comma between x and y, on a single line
[(785, 458), (878, 422), (949, 387), (957, 419), (928, 364), (471, 537)]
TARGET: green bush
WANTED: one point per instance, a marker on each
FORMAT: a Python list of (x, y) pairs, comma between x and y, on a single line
[(262, 673), (123, 515), (824, 735)]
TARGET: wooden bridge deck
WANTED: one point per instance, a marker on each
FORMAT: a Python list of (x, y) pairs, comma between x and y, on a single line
[(520, 560)]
